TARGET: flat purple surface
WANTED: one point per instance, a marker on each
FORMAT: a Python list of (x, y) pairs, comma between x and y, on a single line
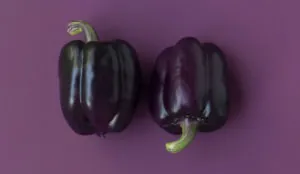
[(260, 37)]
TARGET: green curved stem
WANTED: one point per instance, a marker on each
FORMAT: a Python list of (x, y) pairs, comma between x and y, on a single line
[(189, 130), (76, 27)]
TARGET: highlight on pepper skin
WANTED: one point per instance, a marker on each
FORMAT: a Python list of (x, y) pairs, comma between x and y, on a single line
[(99, 82), (188, 91)]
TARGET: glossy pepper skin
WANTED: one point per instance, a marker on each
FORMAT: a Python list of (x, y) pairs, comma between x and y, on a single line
[(189, 90), (99, 82)]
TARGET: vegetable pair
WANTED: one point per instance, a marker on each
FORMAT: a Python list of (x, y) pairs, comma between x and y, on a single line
[(100, 85)]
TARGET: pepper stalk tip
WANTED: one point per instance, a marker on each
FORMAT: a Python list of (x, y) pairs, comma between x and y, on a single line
[(189, 130), (79, 26)]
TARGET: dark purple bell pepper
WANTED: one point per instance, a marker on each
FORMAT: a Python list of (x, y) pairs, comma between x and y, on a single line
[(188, 90), (99, 82)]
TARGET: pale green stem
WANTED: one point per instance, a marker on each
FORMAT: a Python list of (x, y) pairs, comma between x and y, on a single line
[(189, 130), (76, 27)]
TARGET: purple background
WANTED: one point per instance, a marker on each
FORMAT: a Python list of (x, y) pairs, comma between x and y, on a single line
[(260, 37)]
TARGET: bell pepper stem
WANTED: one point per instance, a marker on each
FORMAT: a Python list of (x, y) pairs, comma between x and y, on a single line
[(79, 26), (189, 130)]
